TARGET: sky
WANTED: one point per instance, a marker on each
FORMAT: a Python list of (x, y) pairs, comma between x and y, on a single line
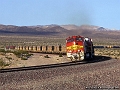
[(103, 13)]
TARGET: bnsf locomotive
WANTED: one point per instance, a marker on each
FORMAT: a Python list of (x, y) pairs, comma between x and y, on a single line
[(79, 48)]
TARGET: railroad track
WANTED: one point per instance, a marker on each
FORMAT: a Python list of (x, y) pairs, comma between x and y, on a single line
[(101, 72), (96, 59), (40, 67)]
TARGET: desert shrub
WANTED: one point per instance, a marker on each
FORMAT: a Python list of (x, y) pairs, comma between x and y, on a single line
[(60, 55), (2, 50), (24, 55), (9, 58), (24, 58), (3, 64), (28, 55), (46, 56), (19, 53)]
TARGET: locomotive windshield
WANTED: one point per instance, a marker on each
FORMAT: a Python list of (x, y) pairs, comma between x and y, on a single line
[(78, 39), (70, 40), (74, 39)]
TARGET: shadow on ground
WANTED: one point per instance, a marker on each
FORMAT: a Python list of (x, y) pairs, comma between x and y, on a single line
[(98, 59)]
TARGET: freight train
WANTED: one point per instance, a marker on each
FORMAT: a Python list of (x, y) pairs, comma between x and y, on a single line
[(79, 48)]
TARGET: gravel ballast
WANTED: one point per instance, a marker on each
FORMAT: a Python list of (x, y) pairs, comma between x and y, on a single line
[(104, 75)]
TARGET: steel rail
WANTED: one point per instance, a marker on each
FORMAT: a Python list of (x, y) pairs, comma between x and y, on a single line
[(96, 59)]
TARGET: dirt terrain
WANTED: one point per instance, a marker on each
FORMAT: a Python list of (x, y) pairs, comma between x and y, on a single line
[(103, 73), (39, 59), (97, 75), (35, 59)]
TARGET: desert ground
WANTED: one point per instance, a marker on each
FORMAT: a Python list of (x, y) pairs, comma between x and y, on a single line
[(35, 59)]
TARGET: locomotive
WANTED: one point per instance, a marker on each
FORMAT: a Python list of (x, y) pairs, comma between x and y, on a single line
[(79, 48)]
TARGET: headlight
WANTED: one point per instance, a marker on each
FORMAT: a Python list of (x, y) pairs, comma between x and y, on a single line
[(79, 50)]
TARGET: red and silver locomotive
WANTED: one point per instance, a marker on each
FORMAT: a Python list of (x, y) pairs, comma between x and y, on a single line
[(79, 48)]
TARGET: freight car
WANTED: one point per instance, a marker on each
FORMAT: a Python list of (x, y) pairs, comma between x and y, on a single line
[(43, 49), (79, 48)]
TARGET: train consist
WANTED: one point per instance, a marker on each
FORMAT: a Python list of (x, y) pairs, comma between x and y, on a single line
[(43, 49), (76, 48), (79, 48)]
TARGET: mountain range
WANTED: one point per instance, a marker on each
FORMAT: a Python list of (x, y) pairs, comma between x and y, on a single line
[(60, 31)]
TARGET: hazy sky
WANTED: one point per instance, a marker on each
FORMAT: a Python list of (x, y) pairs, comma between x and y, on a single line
[(105, 13)]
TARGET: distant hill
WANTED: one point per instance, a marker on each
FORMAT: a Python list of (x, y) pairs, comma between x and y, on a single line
[(32, 30), (60, 31)]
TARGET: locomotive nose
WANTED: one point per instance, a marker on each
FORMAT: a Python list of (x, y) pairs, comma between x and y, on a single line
[(75, 43)]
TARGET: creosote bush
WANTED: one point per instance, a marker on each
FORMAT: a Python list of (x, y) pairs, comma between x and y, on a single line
[(46, 56), (60, 55), (24, 55), (3, 64), (24, 58)]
